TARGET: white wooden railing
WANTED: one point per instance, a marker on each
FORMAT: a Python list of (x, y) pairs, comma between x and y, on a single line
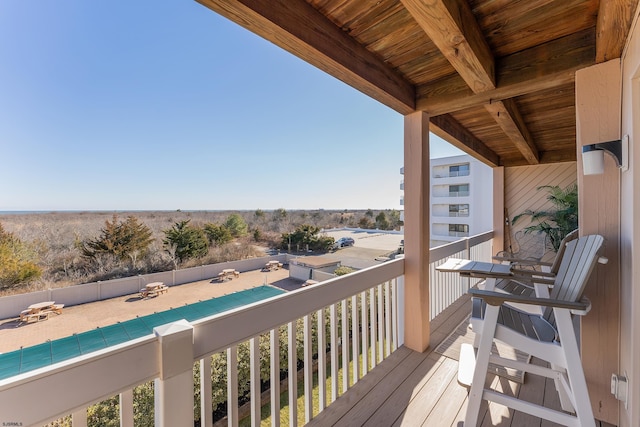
[(445, 288), (365, 316)]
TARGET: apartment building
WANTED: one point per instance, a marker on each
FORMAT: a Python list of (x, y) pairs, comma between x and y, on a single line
[(461, 198)]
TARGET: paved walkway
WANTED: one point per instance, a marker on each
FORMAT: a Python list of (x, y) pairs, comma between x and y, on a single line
[(85, 317)]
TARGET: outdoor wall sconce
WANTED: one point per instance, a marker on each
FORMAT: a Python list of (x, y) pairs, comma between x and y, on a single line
[(593, 155)]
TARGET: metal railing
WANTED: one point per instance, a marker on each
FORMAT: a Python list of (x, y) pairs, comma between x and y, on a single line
[(359, 318)]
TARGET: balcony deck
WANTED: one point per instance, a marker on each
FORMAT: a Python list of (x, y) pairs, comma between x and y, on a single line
[(421, 389)]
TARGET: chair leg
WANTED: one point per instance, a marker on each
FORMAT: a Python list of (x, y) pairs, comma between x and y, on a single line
[(577, 382), (565, 401), (482, 364)]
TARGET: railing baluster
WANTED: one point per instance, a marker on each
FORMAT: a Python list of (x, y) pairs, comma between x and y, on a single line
[(372, 325), (79, 418), (380, 320), (322, 361), (400, 314), (394, 316), (293, 374), (308, 369), (344, 348), (254, 362), (334, 351), (387, 318), (365, 334), (355, 351), (206, 416), (126, 408), (274, 350), (232, 386)]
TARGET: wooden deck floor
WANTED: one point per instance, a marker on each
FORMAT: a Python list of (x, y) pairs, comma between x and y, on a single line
[(421, 389)]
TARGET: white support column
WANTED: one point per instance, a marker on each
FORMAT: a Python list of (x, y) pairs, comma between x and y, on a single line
[(126, 408), (174, 388), (206, 406), (416, 225)]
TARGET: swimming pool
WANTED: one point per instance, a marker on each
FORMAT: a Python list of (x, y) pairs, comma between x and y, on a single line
[(29, 358)]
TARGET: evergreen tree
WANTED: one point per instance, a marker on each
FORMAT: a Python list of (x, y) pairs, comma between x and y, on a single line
[(128, 239), (217, 234), (236, 225), (184, 241), (381, 221)]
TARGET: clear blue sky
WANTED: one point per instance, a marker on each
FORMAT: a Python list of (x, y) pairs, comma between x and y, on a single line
[(162, 105)]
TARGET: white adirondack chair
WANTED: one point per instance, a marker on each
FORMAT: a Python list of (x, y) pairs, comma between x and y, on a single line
[(535, 276), (549, 336)]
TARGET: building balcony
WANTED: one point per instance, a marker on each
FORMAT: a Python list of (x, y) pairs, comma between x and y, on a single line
[(451, 174), (365, 310)]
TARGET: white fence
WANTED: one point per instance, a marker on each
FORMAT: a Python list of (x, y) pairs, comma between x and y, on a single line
[(10, 306)]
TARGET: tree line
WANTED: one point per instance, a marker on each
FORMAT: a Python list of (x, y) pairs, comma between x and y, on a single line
[(41, 250)]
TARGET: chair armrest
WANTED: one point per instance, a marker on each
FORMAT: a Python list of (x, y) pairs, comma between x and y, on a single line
[(497, 298)]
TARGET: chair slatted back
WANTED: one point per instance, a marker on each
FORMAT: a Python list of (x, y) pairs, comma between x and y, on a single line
[(578, 261), (563, 246)]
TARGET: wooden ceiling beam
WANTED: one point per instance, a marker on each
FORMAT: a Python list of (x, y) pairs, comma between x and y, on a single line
[(506, 114), (446, 127), (297, 27), (542, 67), (612, 27), (451, 26)]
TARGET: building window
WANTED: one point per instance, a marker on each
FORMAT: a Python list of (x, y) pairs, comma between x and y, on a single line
[(458, 190), (459, 170), (459, 210), (459, 230)]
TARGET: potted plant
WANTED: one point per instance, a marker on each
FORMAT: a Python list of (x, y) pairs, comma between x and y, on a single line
[(558, 222)]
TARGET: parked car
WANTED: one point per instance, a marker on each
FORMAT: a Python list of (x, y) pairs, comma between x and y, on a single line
[(343, 242)]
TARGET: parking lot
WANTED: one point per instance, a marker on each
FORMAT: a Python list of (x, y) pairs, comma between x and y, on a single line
[(371, 247)]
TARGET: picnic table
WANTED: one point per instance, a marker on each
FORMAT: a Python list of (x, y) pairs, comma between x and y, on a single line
[(272, 265), (40, 311), (153, 289), (228, 274)]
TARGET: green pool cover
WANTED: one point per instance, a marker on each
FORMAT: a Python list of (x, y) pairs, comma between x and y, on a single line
[(38, 356)]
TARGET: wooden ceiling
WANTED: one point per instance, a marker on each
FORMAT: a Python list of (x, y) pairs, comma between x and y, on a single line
[(495, 76)]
